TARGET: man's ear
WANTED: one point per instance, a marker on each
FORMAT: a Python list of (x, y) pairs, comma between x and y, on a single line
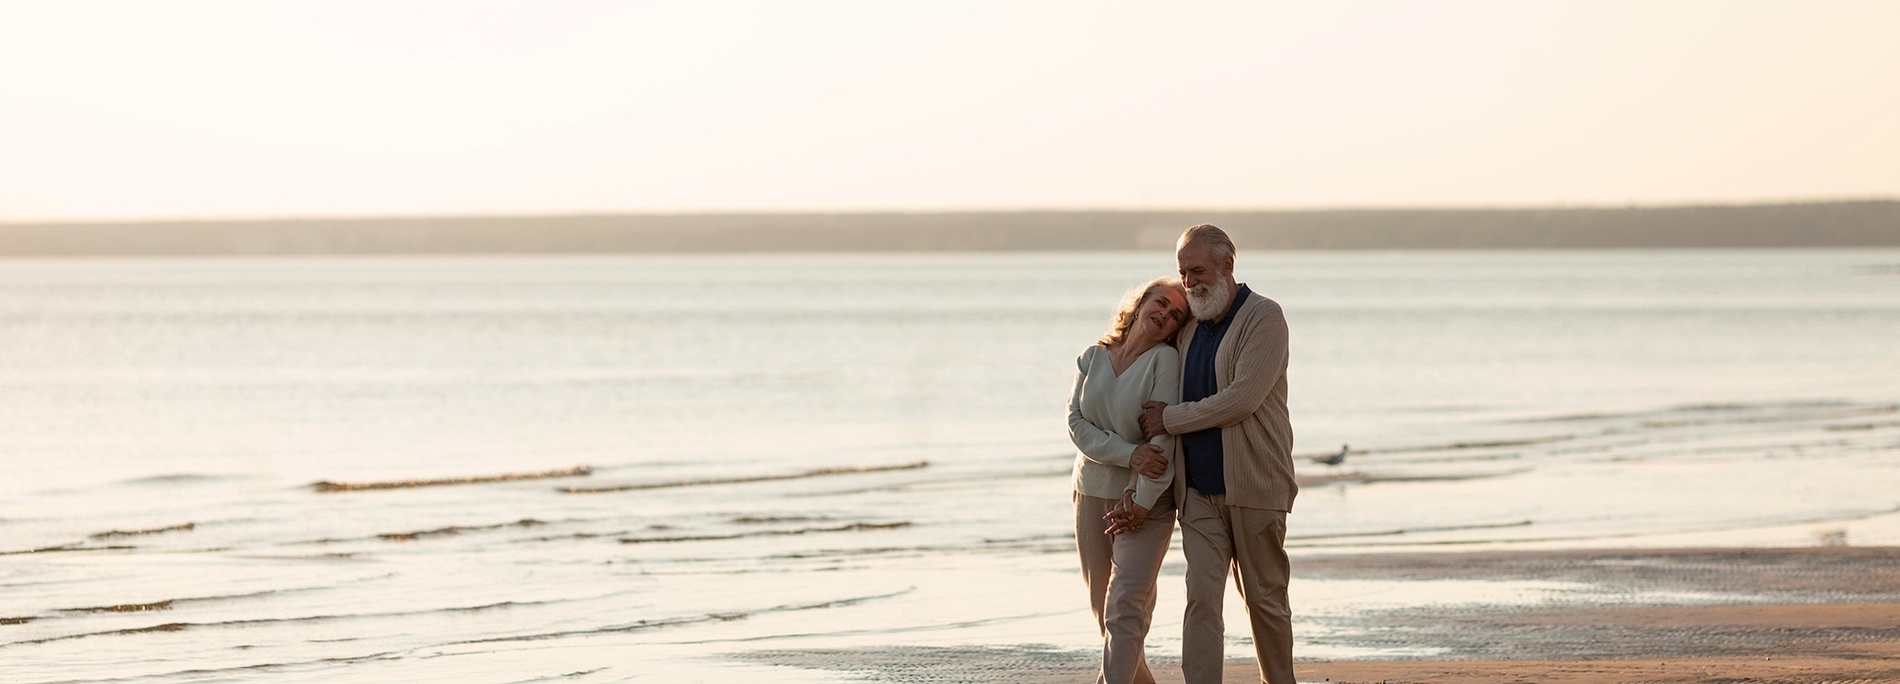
[(1228, 264)]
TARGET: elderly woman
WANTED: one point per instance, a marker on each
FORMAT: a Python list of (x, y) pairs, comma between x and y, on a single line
[(1124, 511)]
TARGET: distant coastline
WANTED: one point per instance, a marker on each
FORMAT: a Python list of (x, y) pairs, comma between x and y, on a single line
[(1873, 223)]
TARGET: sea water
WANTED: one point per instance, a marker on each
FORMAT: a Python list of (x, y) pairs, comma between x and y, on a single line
[(751, 454)]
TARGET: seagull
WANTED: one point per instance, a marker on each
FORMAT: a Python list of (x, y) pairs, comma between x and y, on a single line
[(1334, 459)]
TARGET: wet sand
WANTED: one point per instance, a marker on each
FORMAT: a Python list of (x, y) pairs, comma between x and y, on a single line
[(1753, 643), (1828, 614), (1872, 666)]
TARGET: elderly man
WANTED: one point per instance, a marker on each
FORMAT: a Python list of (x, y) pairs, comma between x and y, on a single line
[(1234, 480)]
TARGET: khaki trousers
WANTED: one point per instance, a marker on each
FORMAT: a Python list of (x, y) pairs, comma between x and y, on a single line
[(1120, 571), (1215, 537)]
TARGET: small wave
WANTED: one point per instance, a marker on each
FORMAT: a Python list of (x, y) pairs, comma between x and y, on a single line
[(559, 677), (1469, 458), (113, 534), (176, 478), (1733, 406), (181, 626), (1628, 534), (1855, 427), (644, 625), (1598, 447), (1411, 530), (65, 548), (15, 620), (166, 627), (205, 674), (853, 527), (820, 472), (946, 481), (327, 486), (775, 519), (1371, 478), (1448, 446), (573, 536), (168, 604), (1704, 408), (1030, 538), (961, 624), (1790, 413), (1569, 418), (456, 529), (1053, 544), (1763, 447), (1459, 446), (124, 608)]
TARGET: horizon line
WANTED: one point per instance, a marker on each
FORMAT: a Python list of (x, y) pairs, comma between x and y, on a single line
[(1687, 204)]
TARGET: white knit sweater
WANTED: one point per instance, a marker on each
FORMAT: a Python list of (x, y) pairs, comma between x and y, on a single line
[(1105, 420)]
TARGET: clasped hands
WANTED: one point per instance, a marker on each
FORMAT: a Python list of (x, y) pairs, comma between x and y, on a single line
[(1126, 516), (1148, 460)]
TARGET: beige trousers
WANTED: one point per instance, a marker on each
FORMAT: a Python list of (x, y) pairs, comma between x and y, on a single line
[(1216, 537), (1120, 571)]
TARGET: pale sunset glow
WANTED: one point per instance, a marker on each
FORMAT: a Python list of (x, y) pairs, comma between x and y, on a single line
[(128, 110)]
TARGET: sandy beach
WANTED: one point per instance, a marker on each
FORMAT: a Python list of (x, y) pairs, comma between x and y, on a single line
[(1835, 616), (1760, 615)]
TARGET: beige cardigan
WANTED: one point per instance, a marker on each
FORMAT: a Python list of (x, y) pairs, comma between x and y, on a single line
[(1249, 407), (1105, 421)]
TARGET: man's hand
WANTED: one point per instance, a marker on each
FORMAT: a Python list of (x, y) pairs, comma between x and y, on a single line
[(1148, 461), (1126, 516), (1151, 419)]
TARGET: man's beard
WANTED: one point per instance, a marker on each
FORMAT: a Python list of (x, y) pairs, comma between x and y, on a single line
[(1209, 301)]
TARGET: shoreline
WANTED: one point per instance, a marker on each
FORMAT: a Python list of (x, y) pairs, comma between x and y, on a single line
[(1663, 615)]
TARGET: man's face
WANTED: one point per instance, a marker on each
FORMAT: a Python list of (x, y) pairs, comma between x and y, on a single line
[(1200, 268), (1208, 279)]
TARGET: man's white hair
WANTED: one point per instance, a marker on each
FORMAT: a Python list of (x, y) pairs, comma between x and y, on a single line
[(1209, 235)]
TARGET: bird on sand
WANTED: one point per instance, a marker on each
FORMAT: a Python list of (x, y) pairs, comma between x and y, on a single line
[(1334, 459)]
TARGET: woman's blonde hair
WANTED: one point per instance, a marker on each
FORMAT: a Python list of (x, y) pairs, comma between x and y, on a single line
[(1124, 318)]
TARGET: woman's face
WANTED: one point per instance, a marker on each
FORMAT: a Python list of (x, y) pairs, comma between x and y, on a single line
[(1162, 313)]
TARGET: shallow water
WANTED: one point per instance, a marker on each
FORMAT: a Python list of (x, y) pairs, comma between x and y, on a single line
[(752, 428)]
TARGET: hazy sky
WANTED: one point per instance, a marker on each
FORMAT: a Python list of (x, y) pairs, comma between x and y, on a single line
[(198, 109)]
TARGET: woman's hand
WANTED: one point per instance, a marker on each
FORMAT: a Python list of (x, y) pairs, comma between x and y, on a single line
[(1149, 461), (1126, 516)]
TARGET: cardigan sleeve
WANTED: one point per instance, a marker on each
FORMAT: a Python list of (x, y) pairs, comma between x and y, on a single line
[(1095, 443), (1166, 389), (1260, 363)]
